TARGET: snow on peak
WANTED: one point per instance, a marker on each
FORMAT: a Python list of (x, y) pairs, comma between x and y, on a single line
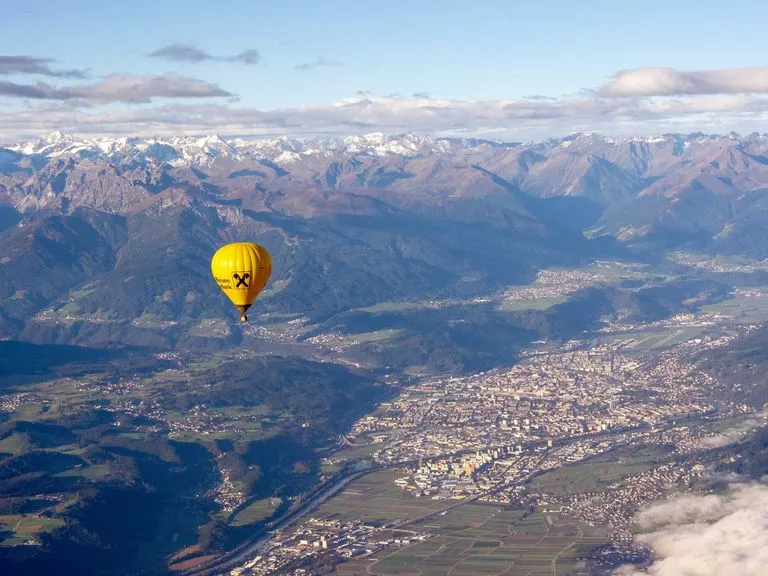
[(204, 150), (286, 157), (213, 140), (55, 137)]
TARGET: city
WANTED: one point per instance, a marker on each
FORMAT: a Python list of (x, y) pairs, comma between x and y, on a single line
[(491, 437)]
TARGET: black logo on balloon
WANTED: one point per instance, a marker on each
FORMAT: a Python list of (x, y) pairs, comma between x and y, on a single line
[(242, 280)]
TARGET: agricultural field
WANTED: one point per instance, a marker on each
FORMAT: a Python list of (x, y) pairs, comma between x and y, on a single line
[(17, 529), (541, 303), (35, 517), (745, 306), (471, 539), (375, 497), (586, 477), (479, 539), (255, 512)]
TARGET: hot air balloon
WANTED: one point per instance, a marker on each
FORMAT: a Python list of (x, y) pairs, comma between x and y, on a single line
[(241, 270)]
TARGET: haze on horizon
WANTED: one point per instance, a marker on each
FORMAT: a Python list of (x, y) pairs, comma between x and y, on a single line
[(493, 68)]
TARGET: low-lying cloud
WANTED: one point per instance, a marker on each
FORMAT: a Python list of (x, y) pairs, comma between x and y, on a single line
[(318, 63), (519, 119), (118, 88), (515, 119), (735, 433), (707, 535), (193, 55), (10, 65), (640, 82)]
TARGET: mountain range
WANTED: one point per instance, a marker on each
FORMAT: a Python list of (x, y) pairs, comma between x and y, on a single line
[(105, 241), (632, 188)]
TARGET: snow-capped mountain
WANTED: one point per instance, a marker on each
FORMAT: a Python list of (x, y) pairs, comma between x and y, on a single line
[(634, 185), (193, 150), (201, 150)]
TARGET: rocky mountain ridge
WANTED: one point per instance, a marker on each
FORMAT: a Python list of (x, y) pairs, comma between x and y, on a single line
[(302, 177), (124, 229)]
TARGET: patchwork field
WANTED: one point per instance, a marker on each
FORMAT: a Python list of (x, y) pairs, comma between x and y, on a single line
[(479, 539), (472, 539), (744, 307), (374, 497), (588, 477), (19, 528)]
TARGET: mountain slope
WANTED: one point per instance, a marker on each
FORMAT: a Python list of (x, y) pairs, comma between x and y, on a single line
[(54, 254), (350, 221), (156, 282)]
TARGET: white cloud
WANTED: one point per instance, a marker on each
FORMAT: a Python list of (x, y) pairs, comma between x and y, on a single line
[(117, 88), (513, 119), (711, 535), (671, 82), (735, 433), (127, 88), (529, 118)]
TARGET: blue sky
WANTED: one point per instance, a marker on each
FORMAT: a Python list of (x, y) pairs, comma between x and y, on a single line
[(452, 51)]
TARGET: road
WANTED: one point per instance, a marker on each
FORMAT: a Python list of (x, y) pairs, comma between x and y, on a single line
[(250, 548)]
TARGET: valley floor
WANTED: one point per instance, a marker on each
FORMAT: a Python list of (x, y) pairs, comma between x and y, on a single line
[(536, 469)]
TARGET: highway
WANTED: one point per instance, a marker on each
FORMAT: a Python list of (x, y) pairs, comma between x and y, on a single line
[(252, 546), (242, 553)]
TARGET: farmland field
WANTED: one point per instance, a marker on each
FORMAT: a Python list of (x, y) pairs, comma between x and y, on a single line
[(472, 539), (481, 539), (374, 497)]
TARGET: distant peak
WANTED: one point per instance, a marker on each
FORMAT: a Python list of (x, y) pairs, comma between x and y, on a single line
[(55, 136), (210, 140)]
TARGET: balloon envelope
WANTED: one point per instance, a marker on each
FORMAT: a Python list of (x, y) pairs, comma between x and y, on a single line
[(241, 270)]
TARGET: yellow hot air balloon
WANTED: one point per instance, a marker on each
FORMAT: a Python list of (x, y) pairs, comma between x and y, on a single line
[(241, 270)]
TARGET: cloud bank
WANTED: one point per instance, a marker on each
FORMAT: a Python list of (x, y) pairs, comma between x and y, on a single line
[(710, 535), (641, 101), (10, 65), (508, 119), (193, 55), (671, 82), (118, 88), (735, 433)]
